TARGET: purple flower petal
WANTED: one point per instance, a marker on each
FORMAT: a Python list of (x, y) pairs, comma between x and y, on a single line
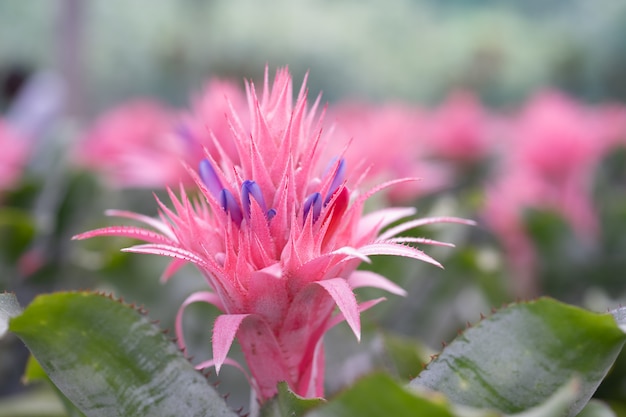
[(313, 202), (229, 204), (210, 178), (249, 188)]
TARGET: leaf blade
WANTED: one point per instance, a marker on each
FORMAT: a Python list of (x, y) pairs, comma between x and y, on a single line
[(519, 356), (379, 395), (110, 360), (288, 404)]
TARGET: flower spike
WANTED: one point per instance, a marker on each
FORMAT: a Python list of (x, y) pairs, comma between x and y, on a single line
[(278, 239)]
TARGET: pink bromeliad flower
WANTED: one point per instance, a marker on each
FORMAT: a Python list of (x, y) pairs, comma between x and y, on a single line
[(134, 145), (278, 234), (460, 129)]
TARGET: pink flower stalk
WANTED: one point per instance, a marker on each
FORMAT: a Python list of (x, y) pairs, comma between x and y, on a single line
[(135, 145), (278, 234), (389, 141), (13, 157)]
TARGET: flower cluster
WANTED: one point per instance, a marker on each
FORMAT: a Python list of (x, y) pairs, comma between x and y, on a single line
[(542, 157), (278, 234), (551, 151)]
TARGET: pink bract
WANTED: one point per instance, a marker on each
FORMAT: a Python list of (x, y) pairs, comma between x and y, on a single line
[(278, 232)]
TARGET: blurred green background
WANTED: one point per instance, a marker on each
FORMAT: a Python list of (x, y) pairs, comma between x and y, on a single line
[(414, 50)]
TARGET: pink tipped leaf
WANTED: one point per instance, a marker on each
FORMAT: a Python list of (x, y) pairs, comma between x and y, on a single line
[(259, 346), (394, 249), (380, 187), (224, 332), (366, 305), (201, 296), (150, 221), (126, 231), (167, 250), (171, 269), (360, 279), (422, 222), (382, 218), (343, 296), (422, 240), (351, 253)]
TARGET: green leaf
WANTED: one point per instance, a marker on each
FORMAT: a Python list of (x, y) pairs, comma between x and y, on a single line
[(596, 408), (9, 308), (17, 230), (406, 355), (34, 373), (521, 355), (556, 405), (109, 360), (40, 402), (618, 407), (287, 404), (378, 395)]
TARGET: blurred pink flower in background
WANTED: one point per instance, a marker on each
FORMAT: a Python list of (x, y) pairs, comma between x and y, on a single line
[(460, 129), (610, 121), (135, 145), (389, 141), (13, 157), (551, 154), (278, 233), (207, 120), (144, 144)]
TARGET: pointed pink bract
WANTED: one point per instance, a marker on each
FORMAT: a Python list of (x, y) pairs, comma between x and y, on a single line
[(343, 296), (224, 332)]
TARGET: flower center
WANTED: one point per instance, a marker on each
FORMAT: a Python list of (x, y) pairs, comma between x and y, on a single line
[(249, 189), (313, 204)]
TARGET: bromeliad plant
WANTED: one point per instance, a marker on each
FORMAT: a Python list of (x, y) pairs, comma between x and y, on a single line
[(278, 234)]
